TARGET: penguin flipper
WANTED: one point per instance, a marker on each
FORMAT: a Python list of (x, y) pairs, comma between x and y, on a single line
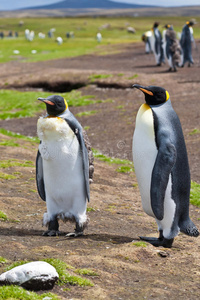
[(39, 176), (78, 131), (164, 163)]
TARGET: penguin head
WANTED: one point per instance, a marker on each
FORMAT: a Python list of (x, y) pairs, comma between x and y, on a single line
[(55, 104), (154, 95), (156, 24)]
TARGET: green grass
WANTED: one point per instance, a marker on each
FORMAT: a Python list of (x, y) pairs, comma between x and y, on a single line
[(3, 217), (110, 160), (139, 244), (90, 209), (194, 131), (86, 113), (64, 277), (93, 77), (125, 169), (3, 260), (14, 104), (18, 136), (13, 292), (133, 77), (85, 30), (15, 163), (6, 176), (87, 272), (126, 165), (195, 194), (9, 143)]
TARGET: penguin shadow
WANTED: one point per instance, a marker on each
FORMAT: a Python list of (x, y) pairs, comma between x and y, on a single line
[(20, 232), (114, 239), (146, 67), (109, 238)]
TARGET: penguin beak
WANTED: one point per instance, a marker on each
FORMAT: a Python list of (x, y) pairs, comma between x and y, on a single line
[(142, 88), (46, 101)]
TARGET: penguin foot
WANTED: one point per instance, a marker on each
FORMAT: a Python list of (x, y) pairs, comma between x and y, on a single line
[(74, 234), (158, 242), (51, 233)]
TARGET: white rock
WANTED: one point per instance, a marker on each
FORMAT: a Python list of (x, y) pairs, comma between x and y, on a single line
[(36, 275)]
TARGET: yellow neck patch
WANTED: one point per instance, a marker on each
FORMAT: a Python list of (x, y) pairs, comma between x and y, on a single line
[(167, 95), (65, 104)]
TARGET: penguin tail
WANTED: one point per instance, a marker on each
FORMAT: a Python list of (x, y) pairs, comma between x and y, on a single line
[(189, 228)]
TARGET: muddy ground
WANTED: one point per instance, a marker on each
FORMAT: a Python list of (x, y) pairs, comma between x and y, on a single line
[(116, 216)]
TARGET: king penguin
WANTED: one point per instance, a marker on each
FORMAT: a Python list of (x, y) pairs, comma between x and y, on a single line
[(186, 42), (62, 167), (161, 166)]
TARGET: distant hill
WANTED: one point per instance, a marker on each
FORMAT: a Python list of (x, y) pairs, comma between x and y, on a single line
[(85, 4)]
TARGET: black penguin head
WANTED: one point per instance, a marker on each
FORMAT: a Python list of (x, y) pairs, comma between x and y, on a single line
[(156, 24), (154, 95), (55, 104), (192, 22)]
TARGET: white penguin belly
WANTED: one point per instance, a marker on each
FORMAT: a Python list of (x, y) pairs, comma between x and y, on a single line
[(62, 168), (144, 154)]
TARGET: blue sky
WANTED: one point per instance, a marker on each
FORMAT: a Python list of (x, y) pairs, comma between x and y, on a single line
[(14, 4)]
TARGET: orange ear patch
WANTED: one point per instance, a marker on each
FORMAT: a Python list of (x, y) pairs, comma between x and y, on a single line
[(146, 91), (49, 102)]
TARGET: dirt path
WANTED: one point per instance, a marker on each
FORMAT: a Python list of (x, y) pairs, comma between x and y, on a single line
[(126, 270)]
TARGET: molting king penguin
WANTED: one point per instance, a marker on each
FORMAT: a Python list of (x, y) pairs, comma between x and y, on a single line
[(161, 166), (64, 167)]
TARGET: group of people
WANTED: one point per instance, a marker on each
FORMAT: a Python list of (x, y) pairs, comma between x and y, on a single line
[(166, 46)]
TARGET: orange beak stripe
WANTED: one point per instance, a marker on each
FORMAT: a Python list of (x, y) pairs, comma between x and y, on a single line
[(49, 102), (147, 92)]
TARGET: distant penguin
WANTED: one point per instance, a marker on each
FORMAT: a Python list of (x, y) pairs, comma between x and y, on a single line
[(186, 42), (161, 166), (99, 37), (146, 39), (62, 167), (156, 45), (171, 47)]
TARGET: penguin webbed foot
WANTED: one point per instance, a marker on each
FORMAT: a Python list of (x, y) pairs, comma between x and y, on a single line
[(74, 234), (158, 242), (77, 232), (51, 233), (53, 227)]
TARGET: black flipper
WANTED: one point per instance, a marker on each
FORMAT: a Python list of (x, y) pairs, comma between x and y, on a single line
[(164, 163), (39, 176), (77, 129)]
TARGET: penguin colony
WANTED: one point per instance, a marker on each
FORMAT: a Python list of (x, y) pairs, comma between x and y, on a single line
[(64, 163), (167, 48), (64, 167)]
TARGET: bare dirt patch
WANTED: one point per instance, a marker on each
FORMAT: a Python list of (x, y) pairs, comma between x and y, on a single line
[(116, 219)]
